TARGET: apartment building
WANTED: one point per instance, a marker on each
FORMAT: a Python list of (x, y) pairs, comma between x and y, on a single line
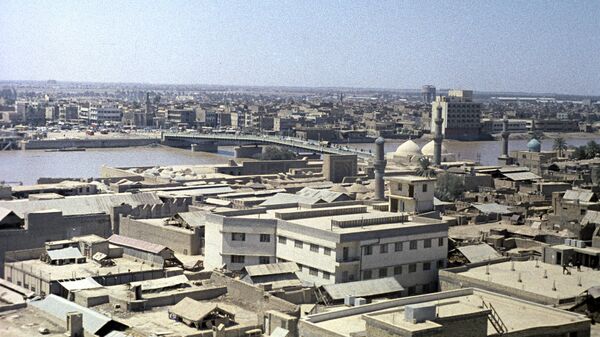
[(461, 116), (332, 244)]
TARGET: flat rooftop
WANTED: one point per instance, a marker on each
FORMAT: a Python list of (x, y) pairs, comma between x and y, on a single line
[(533, 280), (156, 322), (26, 322), (324, 222), (516, 314), (80, 270)]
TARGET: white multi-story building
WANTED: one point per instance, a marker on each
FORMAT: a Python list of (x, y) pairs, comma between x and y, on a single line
[(103, 114), (332, 244)]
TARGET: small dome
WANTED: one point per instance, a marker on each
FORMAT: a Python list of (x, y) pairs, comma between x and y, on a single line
[(427, 150), (408, 148), (534, 145)]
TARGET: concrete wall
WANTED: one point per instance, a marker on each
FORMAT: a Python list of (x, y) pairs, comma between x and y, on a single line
[(48, 226), (254, 297), (180, 240), (86, 143)]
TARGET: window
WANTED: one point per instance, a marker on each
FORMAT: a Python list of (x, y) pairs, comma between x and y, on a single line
[(427, 243), (426, 265), (383, 248), (397, 270), (382, 272), (440, 242), (413, 245), (412, 290), (424, 188), (283, 240), (326, 251), (326, 275), (398, 246), (298, 244), (440, 264), (314, 248), (238, 236), (265, 238), (412, 268), (237, 259), (368, 250), (426, 288), (367, 275), (313, 272), (400, 187), (264, 260)]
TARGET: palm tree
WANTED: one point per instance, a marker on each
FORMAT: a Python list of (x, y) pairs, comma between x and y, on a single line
[(559, 146), (424, 169)]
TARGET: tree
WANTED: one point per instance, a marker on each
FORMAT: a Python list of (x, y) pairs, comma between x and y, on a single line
[(425, 169), (580, 152), (592, 149), (276, 153), (559, 146), (449, 187)]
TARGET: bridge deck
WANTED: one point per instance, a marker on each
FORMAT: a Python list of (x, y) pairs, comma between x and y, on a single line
[(295, 143)]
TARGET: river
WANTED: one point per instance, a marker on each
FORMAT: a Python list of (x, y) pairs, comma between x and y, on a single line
[(28, 166)]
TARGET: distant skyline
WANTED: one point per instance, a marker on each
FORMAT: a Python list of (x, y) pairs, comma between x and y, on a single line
[(512, 46)]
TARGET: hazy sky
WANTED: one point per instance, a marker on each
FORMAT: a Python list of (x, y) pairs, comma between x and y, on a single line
[(539, 46)]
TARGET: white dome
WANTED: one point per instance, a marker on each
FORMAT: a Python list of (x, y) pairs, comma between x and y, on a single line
[(427, 150), (408, 148)]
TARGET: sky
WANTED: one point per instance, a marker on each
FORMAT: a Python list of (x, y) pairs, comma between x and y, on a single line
[(527, 46)]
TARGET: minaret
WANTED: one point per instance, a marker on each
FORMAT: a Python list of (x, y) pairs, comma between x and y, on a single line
[(437, 149), (379, 165), (505, 135)]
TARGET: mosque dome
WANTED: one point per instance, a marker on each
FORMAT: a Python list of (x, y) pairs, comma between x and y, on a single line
[(428, 149), (534, 145), (408, 148)]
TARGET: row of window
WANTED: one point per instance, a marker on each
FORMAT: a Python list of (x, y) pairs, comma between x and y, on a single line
[(242, 237), (242, 259), (398, 270), (300, 245), (399, 246)]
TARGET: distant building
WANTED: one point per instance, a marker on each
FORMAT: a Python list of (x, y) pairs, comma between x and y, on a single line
[(494, 126), (428, 93), (110, 114), (461, 116), (181, 116)]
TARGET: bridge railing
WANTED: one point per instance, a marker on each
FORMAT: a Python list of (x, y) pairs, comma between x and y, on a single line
[(270, 139)]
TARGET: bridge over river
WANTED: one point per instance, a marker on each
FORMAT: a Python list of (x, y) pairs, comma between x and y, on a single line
[(232, 139)]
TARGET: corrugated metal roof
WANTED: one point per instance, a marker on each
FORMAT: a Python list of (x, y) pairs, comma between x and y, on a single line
[(193, 219), (135, 244), (85, 204), (591, 217), (365, 288), (479, 253), (272, 269), (86, 283), (280, 332), (64, 253), (58, 307), (193, 310), (581, 195), (493, 208), (161, 283), (326, 195), (520, 176)]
